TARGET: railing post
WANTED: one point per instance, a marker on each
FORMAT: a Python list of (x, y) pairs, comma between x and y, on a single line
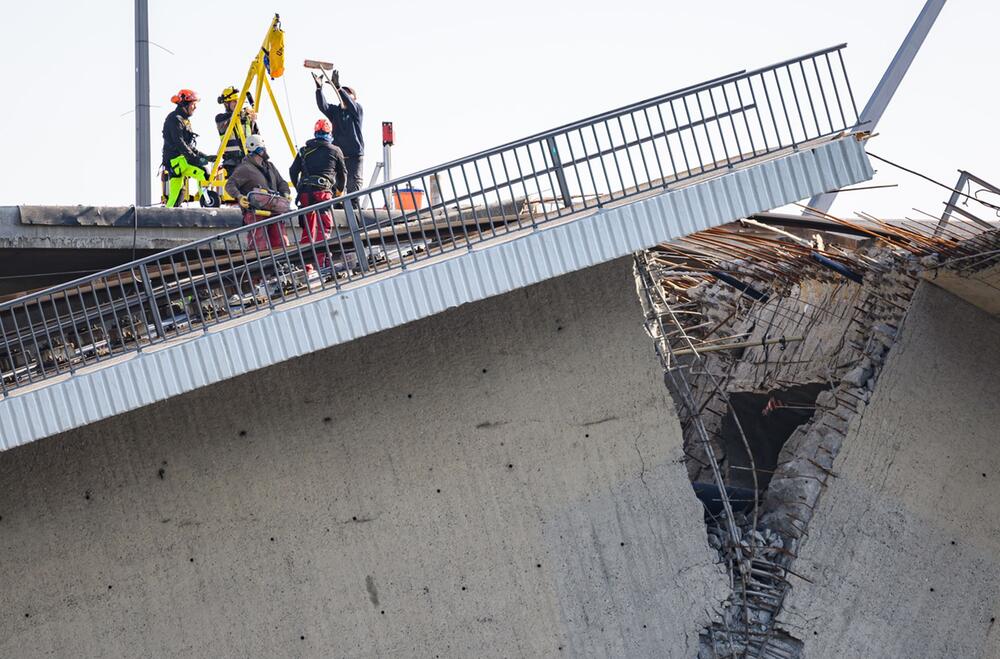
[(153, 308), (359, 247), (560, 173), (9, 352), (955, 193)]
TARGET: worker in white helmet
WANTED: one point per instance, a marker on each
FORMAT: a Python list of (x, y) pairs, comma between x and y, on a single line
[(258, 186)]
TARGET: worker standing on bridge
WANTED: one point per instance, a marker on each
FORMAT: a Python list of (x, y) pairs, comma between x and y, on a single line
[(181, 157), (247, 124), (346, 118), (258, 186), (319, 174)]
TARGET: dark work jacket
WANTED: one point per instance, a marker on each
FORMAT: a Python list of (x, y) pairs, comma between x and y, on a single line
[(248, 176), (179, 139), (234, 150), (346, 123), (318, 158)]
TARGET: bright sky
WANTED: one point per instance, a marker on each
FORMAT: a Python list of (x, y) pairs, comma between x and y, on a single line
[(456, 77)]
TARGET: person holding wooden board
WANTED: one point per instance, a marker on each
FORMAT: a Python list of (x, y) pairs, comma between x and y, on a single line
[(346, 118)]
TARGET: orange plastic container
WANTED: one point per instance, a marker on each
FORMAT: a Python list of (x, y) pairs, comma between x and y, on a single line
[(407, 199)]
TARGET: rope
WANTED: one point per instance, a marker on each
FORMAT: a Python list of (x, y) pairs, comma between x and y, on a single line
[(288, 104)]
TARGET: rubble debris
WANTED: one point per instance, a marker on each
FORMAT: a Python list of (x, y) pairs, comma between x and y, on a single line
[(808, 324)]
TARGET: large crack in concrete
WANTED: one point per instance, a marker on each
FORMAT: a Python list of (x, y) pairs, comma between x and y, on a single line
[(763, 422)]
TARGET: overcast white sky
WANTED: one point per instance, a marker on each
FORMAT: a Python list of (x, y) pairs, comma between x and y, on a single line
[(457, 76)]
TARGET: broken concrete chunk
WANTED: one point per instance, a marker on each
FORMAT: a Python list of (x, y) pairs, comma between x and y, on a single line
[(826, 398), (884, 334), (930, 261), (834, 422), (876, 351), (857, 376)]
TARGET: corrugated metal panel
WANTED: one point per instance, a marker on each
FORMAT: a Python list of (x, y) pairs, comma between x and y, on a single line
[(491, 269)]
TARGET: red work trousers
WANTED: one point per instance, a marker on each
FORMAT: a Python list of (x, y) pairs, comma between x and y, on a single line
[(262, 237), (318, 224)]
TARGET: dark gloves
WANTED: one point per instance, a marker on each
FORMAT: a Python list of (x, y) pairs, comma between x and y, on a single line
[(318, 80), (335, 78)]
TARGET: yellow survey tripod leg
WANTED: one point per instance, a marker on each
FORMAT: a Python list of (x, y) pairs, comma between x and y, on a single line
[(257, 75)]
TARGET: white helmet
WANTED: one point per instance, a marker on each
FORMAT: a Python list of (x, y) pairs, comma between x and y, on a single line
[(255, 142)]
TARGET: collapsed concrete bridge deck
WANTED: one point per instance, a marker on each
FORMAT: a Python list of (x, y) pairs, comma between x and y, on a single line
[(370, 306), (561, 200), (492, 267), (473, 453)]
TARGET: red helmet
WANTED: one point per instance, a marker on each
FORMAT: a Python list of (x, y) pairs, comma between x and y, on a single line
[(184, 96), (323, 126)]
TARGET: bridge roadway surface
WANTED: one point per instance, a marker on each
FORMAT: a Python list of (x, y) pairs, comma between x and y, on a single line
[(393, 298), (41, 246)]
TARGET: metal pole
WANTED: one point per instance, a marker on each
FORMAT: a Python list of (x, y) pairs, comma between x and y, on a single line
[(889, 83), (550, 142), (386, 175), (962, 178), (154, 309), (434, 191), (359, 246), (367, 200), (143, 171), (388, 139)]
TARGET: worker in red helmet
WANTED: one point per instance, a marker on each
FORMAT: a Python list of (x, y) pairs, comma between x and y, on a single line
[(181, 157), (319, 174)]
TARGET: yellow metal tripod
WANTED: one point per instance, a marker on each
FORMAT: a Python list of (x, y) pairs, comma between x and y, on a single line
[(269, 62)]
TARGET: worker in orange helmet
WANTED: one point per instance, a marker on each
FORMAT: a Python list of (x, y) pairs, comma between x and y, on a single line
[(319, 174), (181, 157)]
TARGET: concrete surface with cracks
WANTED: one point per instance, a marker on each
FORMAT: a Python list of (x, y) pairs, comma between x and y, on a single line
[(513, 490), (904, 546)]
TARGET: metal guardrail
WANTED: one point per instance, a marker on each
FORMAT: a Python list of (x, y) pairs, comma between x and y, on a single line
[(639, 149)]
